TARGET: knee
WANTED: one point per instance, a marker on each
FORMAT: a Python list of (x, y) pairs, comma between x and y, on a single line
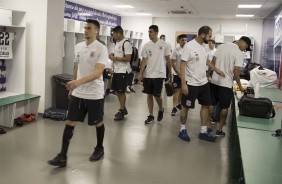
[(99, 124), (70, 123)]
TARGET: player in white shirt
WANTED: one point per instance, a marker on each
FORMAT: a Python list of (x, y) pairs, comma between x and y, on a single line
[(194, 82), (87, 91), (155, 57), (175, 61), (121, 59), (229, 58)]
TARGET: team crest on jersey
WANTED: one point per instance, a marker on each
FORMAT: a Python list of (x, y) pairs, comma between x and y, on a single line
[(150, 53), (92, 54), (161, 47)]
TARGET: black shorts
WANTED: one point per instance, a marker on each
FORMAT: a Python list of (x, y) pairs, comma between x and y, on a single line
[(176, 81), (78, 108), (202, 93), (153, 86), (221, 95), (119, 82)]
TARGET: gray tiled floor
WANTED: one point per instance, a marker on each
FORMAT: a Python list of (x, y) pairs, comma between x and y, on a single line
[(134, 153)]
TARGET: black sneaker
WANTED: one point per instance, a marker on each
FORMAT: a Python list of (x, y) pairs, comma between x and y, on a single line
[(59, 160), (119, 116), (179, 106), (131, 89), (97, 155), (160, 115), (123, 112), (207, 137), (174, 111), (149, 120)]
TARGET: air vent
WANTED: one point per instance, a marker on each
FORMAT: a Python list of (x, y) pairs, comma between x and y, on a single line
[(179, 12)]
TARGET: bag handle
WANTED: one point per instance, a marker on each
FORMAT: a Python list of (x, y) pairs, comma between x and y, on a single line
[(272, 112)]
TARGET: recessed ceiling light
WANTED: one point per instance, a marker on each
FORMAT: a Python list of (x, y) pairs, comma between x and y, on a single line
[(123, 6), (249, 5), (144, 14), (244, 15)]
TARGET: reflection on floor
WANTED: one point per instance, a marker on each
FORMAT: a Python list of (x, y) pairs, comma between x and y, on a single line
[(134, 153)]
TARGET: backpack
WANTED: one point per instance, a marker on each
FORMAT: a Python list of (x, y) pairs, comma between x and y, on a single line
[(134, 60)]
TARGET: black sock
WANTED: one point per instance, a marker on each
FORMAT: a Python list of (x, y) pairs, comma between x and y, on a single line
[(100, 135), (68, 133)]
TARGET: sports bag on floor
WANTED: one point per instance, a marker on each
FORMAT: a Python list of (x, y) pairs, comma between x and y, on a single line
[(256, 107)]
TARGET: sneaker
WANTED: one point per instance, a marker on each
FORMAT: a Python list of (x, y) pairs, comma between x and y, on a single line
[(119, 116), (127, 90), (219, 133), (160, 115), (179, 106), (209, 130), (59, 160), (174, 111), (149, 120), (97, 155), (213, 121), (123, 112), (184, 135), (207, 137)]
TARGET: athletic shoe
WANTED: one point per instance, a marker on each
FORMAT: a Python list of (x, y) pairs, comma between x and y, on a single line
[(160, 115), (183, 134), (207, 137), (219, 133), (97, 155), (174, 111), (149, 120), (179, 106), (131, 89), (209, 130), (119, 116), (123, 112), (127, 90), (59, 160)]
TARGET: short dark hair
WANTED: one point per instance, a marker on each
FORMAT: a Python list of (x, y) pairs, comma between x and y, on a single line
[(212, 41), (204, 30), (118, 29), (181, 36), (162, 36), (95, 22), (155, 28)]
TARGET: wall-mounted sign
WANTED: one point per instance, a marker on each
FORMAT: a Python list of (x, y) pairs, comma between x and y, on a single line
[(81, 13), (6, 39)]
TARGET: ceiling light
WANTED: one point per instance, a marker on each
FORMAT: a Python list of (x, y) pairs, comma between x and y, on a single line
[(249, 5), (123, 6), (244, 15), (144, 14)]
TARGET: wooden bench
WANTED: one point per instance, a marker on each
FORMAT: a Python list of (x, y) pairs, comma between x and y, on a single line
[(14, 106)]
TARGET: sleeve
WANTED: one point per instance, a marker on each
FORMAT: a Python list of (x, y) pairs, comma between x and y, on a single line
[(127, 48), (167, 50), (144, 52), (217, 52), (174, 54), (186, 53), (239, 59), (103, 56), (76, 54)]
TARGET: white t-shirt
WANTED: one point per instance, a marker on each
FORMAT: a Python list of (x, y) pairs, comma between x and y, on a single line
[(211, 53), (176, 55), (227, 56), (109, 64), (87, 57), (195, 56), (156, 63), (121, 66)]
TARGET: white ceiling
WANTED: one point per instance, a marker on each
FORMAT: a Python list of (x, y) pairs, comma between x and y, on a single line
[(198, 8)]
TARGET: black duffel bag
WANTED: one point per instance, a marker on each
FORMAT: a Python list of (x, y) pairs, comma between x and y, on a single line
[(256, 107)]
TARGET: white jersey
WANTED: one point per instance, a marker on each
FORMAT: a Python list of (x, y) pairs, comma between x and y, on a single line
[(211, 53), (87, 57), (195, 56), (156, 63), (227, 56), (121, 66), (176, 55)]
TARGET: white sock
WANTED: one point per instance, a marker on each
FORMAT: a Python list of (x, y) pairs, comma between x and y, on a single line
[(182, 127), (204, 129)]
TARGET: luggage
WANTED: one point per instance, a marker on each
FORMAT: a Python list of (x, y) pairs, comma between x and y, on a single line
[(55, 114)]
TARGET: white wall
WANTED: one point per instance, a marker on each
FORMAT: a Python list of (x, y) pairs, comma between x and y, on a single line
[(169, 26), (39, 66), (139, 24)]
